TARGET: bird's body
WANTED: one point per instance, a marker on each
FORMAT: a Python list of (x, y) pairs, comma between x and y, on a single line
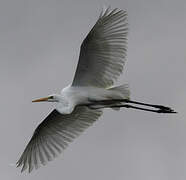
[(72, 96), (101, 61)]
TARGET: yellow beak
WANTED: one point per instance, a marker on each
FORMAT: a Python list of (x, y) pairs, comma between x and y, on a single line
[(41, 99)]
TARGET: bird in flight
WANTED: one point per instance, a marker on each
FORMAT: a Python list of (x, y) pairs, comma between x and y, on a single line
[(79, 105)]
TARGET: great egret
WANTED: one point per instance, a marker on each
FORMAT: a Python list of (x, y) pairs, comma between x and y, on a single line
[(101, 61)]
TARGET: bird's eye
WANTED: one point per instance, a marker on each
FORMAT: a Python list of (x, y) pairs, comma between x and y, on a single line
[(51, 97)]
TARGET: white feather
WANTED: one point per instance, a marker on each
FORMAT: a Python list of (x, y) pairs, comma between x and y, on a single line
[(103, 51)]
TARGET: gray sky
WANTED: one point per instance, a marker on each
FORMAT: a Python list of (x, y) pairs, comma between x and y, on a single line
[(39, 49)]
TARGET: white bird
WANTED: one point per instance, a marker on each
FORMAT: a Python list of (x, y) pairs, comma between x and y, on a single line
[(101, 61)]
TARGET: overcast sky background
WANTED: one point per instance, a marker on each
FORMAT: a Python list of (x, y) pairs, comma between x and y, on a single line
[(39, 49)]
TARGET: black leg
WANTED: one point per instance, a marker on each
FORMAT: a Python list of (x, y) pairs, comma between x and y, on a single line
[(113, 103), (150, 105), (145, 109), (106, 102), (134, 107)]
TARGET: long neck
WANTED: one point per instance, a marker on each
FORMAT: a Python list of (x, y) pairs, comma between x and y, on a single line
[(63, 106)]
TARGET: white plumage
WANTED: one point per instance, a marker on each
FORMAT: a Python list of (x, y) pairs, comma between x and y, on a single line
[(101, 61)]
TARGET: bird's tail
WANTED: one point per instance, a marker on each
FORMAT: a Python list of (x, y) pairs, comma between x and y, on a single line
[(123, 90)]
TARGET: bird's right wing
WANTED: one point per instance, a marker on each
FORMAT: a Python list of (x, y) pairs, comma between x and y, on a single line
[(53, 135), (103, 51)]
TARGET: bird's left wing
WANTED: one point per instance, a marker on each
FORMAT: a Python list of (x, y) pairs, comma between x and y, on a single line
[(52, 136), (103, 51)]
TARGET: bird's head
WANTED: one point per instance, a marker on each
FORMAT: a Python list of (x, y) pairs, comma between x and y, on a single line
[(50, 98)]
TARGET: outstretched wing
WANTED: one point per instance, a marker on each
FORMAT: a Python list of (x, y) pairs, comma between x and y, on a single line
[(52, 136), (103, 51)]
